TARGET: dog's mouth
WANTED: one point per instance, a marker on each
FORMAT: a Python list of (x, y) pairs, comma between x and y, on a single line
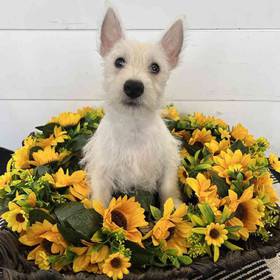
[(131, 102)]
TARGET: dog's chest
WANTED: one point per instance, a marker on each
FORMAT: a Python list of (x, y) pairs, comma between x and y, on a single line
[(135, 155)]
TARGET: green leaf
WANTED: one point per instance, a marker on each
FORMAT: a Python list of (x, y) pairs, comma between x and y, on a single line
[(207, 212), (66, 210), (156, 213), (145, 198), (238, 145), (226, 214), (86, 222), (172, 252), (97, 237), (47, 129), (216, 253), (199, 230), (78, 142), (196, 220), (38, 215), (221, 184), (233, 228), (40, 171), (175, 262), (232, 247), (186, 260), (140, 257)]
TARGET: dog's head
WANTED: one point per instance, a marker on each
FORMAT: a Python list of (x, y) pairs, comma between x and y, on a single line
[(136, 73)]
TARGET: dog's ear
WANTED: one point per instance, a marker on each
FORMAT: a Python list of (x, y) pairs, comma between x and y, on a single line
[(111, 31), (172, 42)]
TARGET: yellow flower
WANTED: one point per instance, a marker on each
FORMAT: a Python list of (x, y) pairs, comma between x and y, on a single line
[(228, 162), (5, 180), (21, 156), (41, 258), (224, 133), (123, 214), (171, 230), (205, 191), (31, 199), (58, 136), (246, 211), (170, 113), (215, 147), (15, 217), (184, 153), (46, 236), (202, 136), (264, 188), (116, 266), (274, 162), (76, 181), (216, 234), (239, 132), (89, 258), (47, 155), (98, 112), (182, 174), (67, 119)]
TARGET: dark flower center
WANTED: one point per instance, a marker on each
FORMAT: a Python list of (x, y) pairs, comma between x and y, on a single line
[(241, 212), (214, 233), (46, 244), (171, 232), (116, 263), (20, 218), (119, 219)]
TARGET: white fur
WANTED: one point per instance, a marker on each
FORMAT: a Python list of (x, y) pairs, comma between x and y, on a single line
[(132, 147)]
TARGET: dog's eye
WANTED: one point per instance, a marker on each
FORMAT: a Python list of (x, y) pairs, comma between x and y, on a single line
[(120, 62), (154, 68)]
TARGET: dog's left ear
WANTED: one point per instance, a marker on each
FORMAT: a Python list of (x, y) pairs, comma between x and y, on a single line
[(172, 42), (111, 31)]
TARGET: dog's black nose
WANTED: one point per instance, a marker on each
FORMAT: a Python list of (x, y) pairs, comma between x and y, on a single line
[(133, 88)]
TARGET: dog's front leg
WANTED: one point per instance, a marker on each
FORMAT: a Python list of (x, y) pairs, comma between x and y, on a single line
[(101, 188), (169, 186)]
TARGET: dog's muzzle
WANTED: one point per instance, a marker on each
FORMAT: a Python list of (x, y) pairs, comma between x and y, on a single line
[(133, 88)]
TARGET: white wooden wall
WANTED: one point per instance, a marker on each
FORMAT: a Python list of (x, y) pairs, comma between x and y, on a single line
[(49, 63)]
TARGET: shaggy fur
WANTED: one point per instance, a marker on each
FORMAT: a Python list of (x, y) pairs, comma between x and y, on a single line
[(132, 147)]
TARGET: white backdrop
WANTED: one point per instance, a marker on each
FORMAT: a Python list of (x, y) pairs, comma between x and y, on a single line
[(230, 67)]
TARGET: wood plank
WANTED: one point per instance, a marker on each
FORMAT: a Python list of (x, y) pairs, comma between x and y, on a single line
[(223, 65), (18, 118), (139, 14)]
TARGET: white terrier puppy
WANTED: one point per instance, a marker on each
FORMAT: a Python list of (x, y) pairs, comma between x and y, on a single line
[(132, 147)]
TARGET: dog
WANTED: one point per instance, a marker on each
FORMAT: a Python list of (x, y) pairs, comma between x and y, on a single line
[(132, 148)]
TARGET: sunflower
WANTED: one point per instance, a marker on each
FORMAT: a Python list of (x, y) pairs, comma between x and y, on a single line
[(205, 191), (224, 133), (47, 155), (40, 257), (21, 156), (171, 231), (76, 181), (116, 265), (182, 174), (216, 234), (274, 162), (98, 112), (229, 162), (123, 214), (239, 132), (16, 218), (5, 180), (58, 136), (183, 153), (215, 147), (203, 136), (89, 258), (67, 119), (47, 238), (171, 113), (264, 188), (246, 212)]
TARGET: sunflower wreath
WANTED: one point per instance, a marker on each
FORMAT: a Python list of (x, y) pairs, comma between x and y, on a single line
[(224, 178)]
